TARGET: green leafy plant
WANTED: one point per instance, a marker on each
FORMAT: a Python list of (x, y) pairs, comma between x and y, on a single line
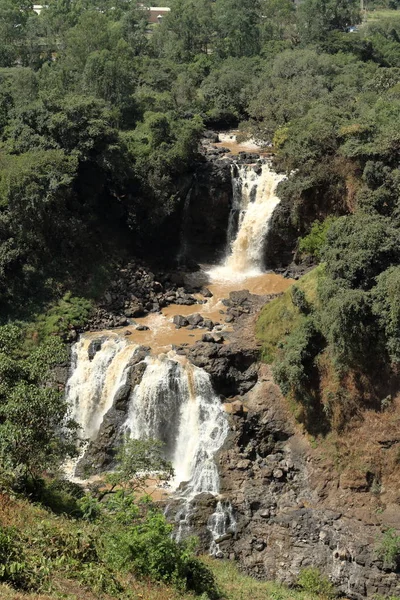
[(388, 548), (313, 243), (312, 581)]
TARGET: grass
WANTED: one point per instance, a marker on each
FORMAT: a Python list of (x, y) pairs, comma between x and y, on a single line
[(384, 13), (280, 317), (42, 529), (238, 586)]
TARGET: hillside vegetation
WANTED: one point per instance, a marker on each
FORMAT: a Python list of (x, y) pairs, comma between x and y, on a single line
[(51, 556), (100, 123)]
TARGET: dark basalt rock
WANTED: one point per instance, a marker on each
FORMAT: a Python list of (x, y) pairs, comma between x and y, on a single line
[(95, 346), (195, 319), (180, 321), (232, 369), (206, 219), (283, 523)]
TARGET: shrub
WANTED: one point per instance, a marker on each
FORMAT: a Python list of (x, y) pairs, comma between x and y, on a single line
[(299, 300), (70, 311), (294, 367), (389, 549), (312, 581), (148, 550), (313, 243)]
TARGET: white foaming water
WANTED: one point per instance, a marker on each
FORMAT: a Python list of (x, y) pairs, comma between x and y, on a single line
[(176, 404), (94, 383), (219, 524), (254, 201)]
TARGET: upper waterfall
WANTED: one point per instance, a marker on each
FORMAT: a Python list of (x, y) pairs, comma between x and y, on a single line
[(253, 204)]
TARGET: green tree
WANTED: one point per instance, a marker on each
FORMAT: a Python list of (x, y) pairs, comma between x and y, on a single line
[(187, 30), (35, 432), (135, 460), (386, 307), (237, 25), (359, 247), (317, 17)]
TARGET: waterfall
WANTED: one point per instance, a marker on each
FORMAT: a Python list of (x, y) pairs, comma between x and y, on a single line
[(93, 383), (220, 523), (174, 402), (254, 201)]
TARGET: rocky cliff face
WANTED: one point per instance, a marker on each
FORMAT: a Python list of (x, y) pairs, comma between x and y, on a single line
[(290, 513), (293, 508), (206, 212)]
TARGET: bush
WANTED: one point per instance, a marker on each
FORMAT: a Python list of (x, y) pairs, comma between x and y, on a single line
[(70, 311), (148, 550), (294, 368), (299, 300), (313, 243), (389, 549), (313, 582)]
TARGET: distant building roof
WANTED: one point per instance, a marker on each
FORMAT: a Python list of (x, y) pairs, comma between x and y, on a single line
[(156, 13)]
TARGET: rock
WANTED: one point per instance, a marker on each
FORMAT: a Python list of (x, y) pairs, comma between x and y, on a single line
[(95, 346), (195, 319), (243, 465), (237, 408), (278, 474), (206, 292), (207, 337), (72, 336), (180, 321), (211, 135), (223, 538), (142, 328), (265, 514), (134, 311), (127, 332)]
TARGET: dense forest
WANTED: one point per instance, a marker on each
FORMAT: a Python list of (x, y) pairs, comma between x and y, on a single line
[(101, 115)]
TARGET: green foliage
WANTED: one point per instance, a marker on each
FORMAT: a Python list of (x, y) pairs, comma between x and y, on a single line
[(388, 549), (12, 565), (348, 325), (318, 17), (359, 247), (294, 367), (313, 243), (70, 311), (148, 550), (137, 458), (312, 581), (299, 299), (31, 412), (281, 316), (386, 307)]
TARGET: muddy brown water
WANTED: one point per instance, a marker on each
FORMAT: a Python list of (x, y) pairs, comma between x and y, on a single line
[(162, 333)]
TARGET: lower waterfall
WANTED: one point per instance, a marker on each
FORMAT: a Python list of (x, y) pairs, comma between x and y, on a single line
[(95, 380), (174, 402), (253, 204)]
